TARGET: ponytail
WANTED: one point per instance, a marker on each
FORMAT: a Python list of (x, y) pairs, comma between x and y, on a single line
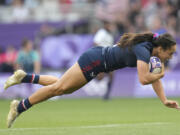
[(131, 39)]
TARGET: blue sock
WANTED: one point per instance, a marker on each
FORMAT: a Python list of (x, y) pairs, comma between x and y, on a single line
[(30, 78), (23, 105)]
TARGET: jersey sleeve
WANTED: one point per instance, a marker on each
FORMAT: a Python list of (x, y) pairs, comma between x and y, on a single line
[(142, 53)]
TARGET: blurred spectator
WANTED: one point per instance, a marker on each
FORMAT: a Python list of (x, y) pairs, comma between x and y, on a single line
[(139, 23), (92, 1), (31, 3), (28, 59), (65, 6), (105, 38), (1, 58), (111, 10), (45, 30), (149, 9), (172, 25), (156, 24), (20, 13), (134, 9), (171, 8), (8, 59), (6, 2), (79, 27), (2, 2)]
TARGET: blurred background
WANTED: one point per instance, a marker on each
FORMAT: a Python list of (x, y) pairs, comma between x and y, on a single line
[(48, 36)]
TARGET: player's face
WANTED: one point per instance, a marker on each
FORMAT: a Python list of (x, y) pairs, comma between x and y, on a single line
[(165, 55)]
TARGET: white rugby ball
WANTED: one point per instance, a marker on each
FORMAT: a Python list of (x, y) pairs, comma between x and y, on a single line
[(155, 65)]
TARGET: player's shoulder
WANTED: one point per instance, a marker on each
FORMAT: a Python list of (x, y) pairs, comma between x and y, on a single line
[(145, 45)]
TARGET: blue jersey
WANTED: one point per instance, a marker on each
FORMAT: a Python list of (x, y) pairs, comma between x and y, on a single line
[(106, 59), (116, 57)]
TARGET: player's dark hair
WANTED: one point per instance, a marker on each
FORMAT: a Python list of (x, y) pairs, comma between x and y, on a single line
[(131, 39)]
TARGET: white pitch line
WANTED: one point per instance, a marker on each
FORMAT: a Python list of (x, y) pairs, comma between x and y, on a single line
[(89, 127), (125, 124)]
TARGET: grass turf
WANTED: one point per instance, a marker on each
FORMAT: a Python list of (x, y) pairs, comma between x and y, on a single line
[(94, 117)]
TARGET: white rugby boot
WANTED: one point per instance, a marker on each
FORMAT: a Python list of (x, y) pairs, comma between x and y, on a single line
[(13, 113), (16, 78)]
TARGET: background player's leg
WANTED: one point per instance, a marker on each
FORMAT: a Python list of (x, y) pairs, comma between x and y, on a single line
[(72, 80), (107, 94), (100, 76)]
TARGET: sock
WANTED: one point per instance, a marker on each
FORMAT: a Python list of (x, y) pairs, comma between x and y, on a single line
[(30, 78), (23, 105)]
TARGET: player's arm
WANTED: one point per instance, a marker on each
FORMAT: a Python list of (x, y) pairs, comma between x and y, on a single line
[(146, 77), (158, 88)]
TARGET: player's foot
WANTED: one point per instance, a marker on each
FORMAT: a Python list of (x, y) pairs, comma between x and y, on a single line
[(16, 78), (13, 113)]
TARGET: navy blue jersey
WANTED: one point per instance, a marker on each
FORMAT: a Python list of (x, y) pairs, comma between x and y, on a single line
[(106, 59), (116, 57)]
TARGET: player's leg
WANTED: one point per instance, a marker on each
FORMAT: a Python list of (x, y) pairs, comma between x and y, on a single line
[(72, 80), (47, 80), (22, 77)]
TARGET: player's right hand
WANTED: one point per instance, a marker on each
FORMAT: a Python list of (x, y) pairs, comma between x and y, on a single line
[(172, 104)]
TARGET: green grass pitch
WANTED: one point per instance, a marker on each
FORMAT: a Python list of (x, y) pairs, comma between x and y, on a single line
[(94, 117)]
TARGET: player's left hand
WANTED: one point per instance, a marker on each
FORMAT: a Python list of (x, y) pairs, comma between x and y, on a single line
[(172, 104)]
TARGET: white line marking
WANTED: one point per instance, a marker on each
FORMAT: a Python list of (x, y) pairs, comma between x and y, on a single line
[(125, 124), (89, 127)]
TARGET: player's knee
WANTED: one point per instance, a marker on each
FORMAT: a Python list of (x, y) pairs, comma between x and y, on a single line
[(58, 89)]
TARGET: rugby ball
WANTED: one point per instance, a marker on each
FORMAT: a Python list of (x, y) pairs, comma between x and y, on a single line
[(155, 65)]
